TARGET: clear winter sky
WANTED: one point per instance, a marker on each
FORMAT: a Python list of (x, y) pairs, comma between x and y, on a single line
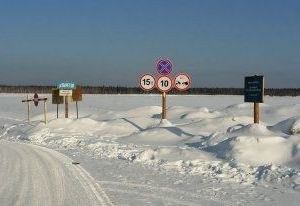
[(112, 42)]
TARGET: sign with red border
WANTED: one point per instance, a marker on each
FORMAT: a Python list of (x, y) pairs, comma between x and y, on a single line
[(164, 83), (182, 82), (36, 99), (164, 67), (147, 82)]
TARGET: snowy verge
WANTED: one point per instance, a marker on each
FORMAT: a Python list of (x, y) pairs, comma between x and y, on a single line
[(222, 144)]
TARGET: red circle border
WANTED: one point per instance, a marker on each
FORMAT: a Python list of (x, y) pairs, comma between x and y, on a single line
[(161, 59), (182, 90), (147, 90), (156, 84)]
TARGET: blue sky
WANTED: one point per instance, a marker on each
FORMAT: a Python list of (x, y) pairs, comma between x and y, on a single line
[(112, 42)]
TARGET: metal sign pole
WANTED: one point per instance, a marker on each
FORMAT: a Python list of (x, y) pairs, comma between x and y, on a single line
[(164, 105), (57, 111), (256, 113), (66, 107)]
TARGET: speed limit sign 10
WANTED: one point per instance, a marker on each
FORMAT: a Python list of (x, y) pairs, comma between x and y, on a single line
[(147, 82), (164, 84)]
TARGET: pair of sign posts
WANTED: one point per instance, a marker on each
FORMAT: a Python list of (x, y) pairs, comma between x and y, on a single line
[(62, 93), (253, 89), (164, 83), (36, 101)]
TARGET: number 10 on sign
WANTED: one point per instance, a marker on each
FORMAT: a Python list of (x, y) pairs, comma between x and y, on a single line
[(164, 84)]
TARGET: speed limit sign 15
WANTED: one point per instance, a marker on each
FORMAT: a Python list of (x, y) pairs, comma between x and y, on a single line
[(164, 84), (147, 82)]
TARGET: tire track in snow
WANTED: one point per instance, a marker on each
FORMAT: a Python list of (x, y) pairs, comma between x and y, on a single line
[(32, 175), (165, 194)]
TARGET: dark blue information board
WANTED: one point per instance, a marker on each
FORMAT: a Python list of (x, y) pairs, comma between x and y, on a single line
[(254, 89)]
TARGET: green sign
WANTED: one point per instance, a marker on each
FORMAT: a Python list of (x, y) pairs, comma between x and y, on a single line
[(254, 89)]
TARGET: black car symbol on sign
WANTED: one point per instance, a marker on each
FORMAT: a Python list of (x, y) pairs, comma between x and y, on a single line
[(184, 83)]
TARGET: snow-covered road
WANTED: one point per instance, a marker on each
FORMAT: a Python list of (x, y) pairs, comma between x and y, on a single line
[(32, 175)]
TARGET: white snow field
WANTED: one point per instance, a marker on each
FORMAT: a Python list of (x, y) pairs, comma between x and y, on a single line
[(208, 152)]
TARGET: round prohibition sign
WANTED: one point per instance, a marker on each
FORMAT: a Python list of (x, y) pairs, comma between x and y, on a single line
[(164, 66), (164, 84), (182, 82), (147, 82)]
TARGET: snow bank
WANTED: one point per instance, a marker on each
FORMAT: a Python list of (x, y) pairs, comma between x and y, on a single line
[(288, 126), (223, 144), (256, 145)]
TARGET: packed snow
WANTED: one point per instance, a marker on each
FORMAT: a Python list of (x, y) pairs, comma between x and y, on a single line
[(205, 140)]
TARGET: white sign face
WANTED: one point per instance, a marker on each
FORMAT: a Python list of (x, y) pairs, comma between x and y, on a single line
[(147, 82), (164, 84), (182, 82), (65, 93)]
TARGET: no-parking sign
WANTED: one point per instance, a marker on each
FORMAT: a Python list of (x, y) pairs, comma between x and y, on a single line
[(164, 84), (164, 67)]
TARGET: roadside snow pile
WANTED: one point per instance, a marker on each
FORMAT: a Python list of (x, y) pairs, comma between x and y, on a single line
[(288, 126), (222, 144), (255, 144)]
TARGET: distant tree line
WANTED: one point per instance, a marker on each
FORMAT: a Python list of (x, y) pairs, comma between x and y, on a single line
[(135, 90)]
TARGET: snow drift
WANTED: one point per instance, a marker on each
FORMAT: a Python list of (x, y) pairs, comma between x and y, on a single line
[(223, 143)]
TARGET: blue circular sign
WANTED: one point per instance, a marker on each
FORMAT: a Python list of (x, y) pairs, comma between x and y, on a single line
[(164, 67)]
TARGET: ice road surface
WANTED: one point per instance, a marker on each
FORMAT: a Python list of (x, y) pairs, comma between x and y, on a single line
[(39, 176), (208, 152)]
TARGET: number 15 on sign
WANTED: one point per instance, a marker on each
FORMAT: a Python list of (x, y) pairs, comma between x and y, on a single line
[(147, 82)]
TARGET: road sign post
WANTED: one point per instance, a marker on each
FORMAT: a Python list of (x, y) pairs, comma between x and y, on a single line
[(66, 107), (45, 111), (36, 101), (77, 97), (256, 113), (28, 108), (66, 90), (254, 92), (164, 84), (56, 99), (164, 106)]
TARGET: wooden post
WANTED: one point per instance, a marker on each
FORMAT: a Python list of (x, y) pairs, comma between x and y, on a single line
[(77, 109), (45, 111), (57, 111), (256, 113), (28, 109), (66, 107), (164, 106)]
